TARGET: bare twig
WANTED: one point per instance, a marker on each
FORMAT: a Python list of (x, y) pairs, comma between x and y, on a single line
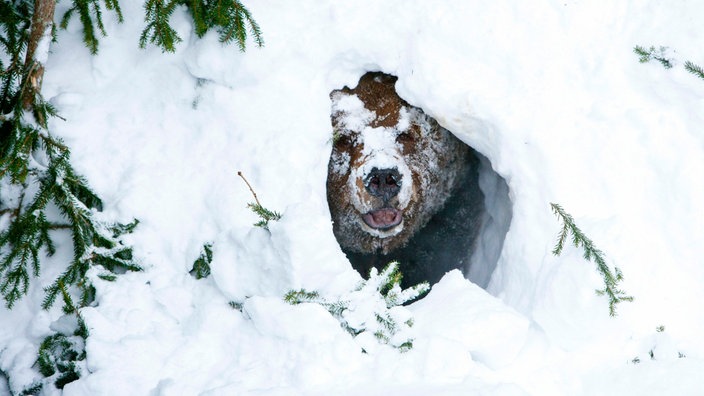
[(239, 173), (14, 212), (57, 226)]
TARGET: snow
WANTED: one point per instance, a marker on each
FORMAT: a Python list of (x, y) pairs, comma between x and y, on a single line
[(358, 116), (549, 92), (495, 224), (42, 51), (492, 333)]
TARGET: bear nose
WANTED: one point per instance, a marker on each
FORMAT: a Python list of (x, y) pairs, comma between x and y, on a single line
[(384, 183)]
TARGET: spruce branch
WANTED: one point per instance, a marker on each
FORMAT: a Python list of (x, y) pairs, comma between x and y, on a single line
[(15, 22), (646, 55), (62, 355), (295, 297), (106, 250), (201, 267), (643, 54), (593, 254), (94, 242), (229, 18), (90, 14), (27, 235), (694, 69), (158, 31)]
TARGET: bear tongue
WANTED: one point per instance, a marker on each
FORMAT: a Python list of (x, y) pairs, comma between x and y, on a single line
[(383, 218)]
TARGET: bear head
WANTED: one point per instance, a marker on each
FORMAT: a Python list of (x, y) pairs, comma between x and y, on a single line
[(391, 169)]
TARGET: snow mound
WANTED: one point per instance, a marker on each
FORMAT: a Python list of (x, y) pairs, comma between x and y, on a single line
[(471, 323)]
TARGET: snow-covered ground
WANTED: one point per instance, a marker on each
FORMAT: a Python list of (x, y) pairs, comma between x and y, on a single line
[(550, 92)]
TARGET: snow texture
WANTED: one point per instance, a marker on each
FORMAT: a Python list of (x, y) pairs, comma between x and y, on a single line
[(42, 52), (549, 92)]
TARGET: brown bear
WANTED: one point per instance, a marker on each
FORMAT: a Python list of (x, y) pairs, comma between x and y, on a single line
[(400, 187)]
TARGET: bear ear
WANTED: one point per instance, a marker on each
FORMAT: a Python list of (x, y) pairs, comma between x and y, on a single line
[(335, 94)]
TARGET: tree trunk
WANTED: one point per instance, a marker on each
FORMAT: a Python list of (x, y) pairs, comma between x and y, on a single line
[(37, 51)]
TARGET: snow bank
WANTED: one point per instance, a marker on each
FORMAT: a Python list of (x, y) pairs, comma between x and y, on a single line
[(477, 324), (549, 92)]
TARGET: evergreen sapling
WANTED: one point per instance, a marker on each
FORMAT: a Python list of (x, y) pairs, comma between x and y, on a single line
[(373, 312), (264, 214)]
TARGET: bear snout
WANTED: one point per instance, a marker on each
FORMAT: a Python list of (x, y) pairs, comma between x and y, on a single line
[(383, 183)]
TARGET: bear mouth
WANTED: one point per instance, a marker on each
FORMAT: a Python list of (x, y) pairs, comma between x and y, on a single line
[(383, 219)]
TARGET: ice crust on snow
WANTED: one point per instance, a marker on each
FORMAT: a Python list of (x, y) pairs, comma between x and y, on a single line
[(562, 110)]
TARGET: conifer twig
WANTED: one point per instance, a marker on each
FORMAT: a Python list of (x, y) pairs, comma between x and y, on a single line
[(57, 226), (694, 69), (265, 214), (201, 267), (646, 55), (591, 253), (658, 54)]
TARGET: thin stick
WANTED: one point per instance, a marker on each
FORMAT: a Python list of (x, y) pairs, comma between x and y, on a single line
[(60, 227), (239, 173)]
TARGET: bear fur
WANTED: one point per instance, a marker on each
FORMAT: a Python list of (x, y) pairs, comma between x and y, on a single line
[(400, 187)]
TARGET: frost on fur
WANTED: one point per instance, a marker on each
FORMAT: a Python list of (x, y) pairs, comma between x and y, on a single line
[(372, 311), (399, 184)]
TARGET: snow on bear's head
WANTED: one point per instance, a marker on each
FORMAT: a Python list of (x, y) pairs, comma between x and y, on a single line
[(391, 169)]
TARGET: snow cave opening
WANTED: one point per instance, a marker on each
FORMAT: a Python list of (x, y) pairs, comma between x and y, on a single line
[(467, 232), (497, 211)]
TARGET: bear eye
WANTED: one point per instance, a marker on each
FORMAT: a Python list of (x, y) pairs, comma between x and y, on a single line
[(405, 137), (342, 140)]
